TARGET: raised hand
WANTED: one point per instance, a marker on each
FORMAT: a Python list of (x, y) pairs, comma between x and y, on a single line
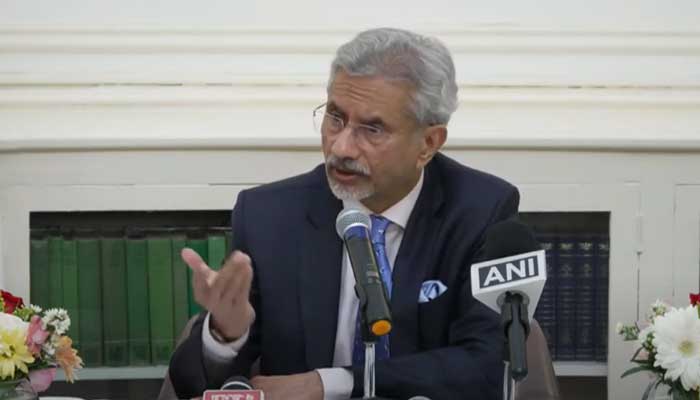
[(224, 293)]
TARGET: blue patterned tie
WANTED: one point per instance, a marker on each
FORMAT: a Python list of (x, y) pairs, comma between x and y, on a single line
[(379, 227)]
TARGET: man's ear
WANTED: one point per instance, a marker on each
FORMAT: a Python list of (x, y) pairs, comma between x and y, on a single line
[(433, 138)]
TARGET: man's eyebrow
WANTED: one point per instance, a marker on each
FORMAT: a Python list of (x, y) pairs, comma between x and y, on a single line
[(331, 106), (374, 120)]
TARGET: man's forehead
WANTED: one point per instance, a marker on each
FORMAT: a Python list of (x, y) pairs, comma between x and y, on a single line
[(369, 95), (344, 80)]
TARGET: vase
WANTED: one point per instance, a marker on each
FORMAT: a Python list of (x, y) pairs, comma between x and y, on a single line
[(18, 389)]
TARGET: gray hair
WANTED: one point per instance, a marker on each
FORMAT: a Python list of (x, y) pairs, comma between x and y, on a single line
[(400, 55)]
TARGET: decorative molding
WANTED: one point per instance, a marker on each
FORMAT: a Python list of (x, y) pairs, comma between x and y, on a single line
[(291, 57), (323, 41), (251, 93), (235, 117), (313, 144)]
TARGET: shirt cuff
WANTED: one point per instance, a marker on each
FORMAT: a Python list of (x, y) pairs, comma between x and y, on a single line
[(215, 350), (337, 383)]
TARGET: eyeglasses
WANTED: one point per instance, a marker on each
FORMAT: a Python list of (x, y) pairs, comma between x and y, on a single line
[(330, 124)]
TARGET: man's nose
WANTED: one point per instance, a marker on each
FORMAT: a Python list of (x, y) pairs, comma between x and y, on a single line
[(345, 144)]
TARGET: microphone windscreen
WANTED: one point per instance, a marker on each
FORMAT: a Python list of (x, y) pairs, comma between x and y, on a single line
[(237, 383), (351, 217), (508, 238)]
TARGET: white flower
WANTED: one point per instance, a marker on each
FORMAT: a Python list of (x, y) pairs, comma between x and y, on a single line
[(62, 326), (58, 319), (677, 342), (35, 309), (644, 336), (49, 347), (657, 309), (619, 328), (12, 322)]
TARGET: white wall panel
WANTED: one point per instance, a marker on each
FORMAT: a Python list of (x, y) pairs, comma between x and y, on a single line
[(640, 14)]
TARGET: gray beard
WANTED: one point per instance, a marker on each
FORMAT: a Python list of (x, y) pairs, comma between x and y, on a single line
[(345, 193)]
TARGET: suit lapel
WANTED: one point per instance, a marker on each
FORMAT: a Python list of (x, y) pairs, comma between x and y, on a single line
[(319, 279), (415, 257)]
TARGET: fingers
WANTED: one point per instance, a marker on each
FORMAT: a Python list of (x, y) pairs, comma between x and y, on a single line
[(195, 262), (234, 281), (220, 290)]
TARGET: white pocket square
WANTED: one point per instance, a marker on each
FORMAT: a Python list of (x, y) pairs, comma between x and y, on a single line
[(431, 290)]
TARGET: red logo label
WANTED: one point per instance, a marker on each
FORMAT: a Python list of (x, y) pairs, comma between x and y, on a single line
[(233, 395)]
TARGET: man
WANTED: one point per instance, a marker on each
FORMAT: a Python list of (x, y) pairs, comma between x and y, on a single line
[(286, 297)]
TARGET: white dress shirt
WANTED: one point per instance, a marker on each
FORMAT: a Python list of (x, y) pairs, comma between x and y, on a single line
[(337, 381)]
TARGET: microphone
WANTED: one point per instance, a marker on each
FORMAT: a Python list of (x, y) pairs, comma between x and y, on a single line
[(237, 383), (353, 227), (510, 283), (234, 388)]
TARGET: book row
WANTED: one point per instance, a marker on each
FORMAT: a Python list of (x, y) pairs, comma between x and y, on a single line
[(129, 297), (573, 308)]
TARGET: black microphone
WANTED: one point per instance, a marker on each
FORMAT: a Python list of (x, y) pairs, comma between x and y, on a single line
[(237, 383), (511, 282), (353, 227), (235, 388)]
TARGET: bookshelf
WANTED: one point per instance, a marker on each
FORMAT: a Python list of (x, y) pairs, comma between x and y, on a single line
[(136, 255)]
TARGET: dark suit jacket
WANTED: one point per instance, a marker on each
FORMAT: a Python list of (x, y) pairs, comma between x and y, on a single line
[(450, 347)]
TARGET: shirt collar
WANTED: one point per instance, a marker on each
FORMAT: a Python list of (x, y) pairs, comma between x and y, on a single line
[(399, 212)]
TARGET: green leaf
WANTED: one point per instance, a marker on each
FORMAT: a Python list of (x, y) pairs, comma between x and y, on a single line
[(636, 353), (636, 369)]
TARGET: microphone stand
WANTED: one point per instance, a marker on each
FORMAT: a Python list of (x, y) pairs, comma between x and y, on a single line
[(508, 382), (370, 340), (514, 320)]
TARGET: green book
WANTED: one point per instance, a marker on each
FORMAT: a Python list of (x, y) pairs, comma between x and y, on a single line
[(181, 283), (137, 301), (160, 290), (197, 241), (114, 315), (69, 261), (216, 247), (55, 271), (90, 296), (39, 269), (229, 242)]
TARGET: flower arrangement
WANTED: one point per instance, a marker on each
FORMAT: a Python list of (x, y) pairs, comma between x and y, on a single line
[(669, 349), (33, 343)]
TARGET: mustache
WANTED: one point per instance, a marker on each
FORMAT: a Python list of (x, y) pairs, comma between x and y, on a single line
[(347, 165)]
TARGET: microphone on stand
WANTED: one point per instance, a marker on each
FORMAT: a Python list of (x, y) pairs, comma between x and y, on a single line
[(510, 283), (353, 227)]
